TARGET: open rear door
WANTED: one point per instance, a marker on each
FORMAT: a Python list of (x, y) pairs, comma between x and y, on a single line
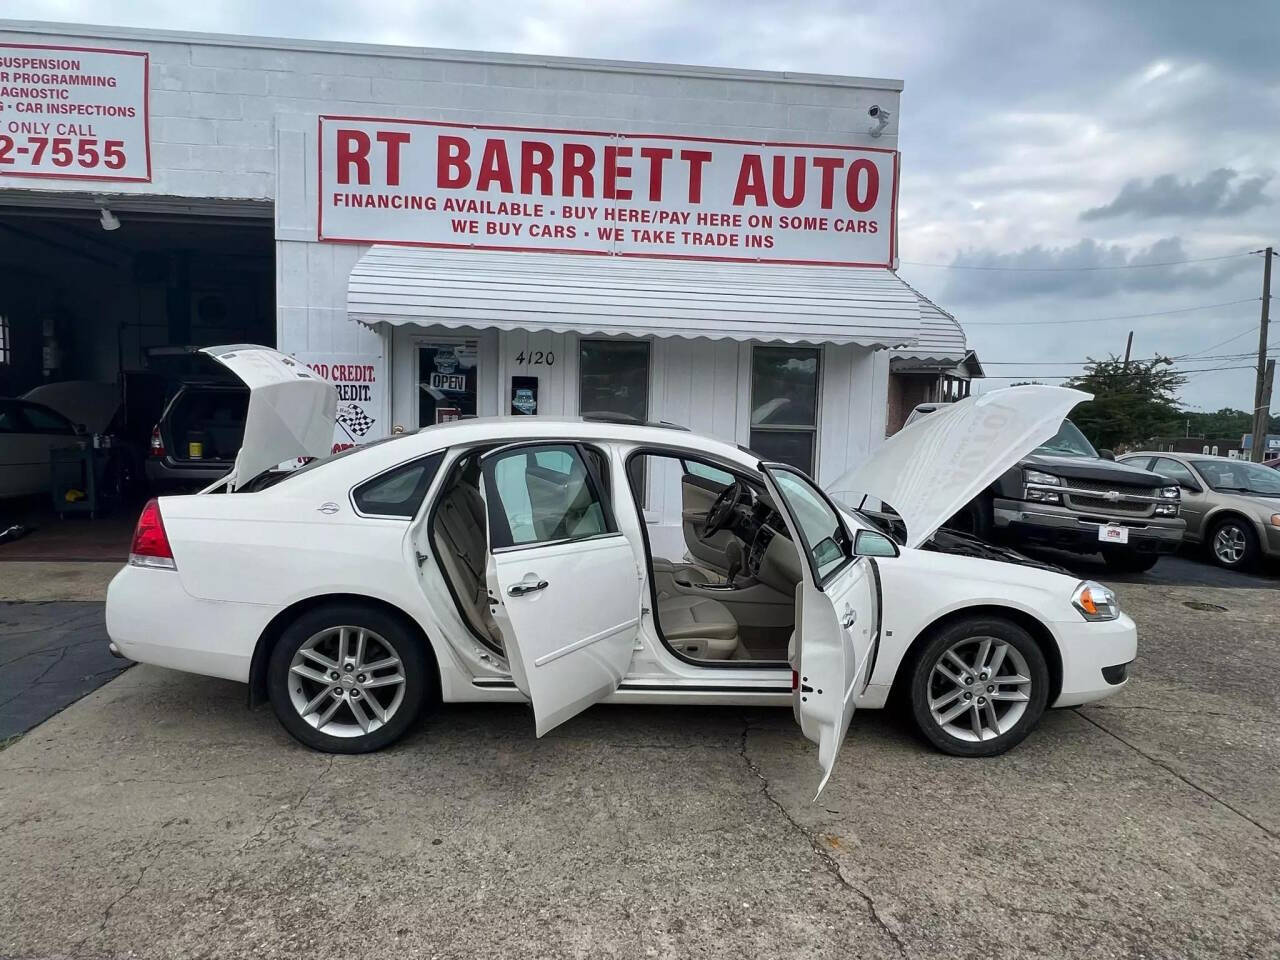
[(563, 582), (837, 614)]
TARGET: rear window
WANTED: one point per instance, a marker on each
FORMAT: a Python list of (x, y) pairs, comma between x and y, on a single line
[(207, 424)]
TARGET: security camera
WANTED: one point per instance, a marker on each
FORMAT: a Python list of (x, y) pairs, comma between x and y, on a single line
[(881, 116)]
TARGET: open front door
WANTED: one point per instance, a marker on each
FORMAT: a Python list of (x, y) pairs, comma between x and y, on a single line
[(563, 582), (837, 613)]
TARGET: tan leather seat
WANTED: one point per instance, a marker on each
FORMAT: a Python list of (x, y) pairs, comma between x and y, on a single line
[(698, 627), (461, 542)]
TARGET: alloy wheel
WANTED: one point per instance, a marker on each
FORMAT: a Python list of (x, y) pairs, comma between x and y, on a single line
[(979, 688), (346, 681), (1230, 544)]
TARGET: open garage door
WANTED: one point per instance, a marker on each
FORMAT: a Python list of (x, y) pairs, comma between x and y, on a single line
[(104, 305)]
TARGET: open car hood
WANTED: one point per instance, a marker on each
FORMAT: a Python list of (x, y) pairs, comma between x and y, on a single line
[(291, 409), (931, 469)]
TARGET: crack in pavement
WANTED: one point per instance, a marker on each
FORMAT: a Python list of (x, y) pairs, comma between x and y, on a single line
[(1185, 779), (828, 861), (131, 889), (293, 807), (1182, 713)]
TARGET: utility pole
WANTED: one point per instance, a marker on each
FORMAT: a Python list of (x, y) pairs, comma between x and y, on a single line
[(1266, 371), (1128, 348)]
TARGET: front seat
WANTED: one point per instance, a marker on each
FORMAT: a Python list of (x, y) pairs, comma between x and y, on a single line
[(698, 627)]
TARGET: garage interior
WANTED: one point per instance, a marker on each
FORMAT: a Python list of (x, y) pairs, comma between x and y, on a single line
[(121, 291)]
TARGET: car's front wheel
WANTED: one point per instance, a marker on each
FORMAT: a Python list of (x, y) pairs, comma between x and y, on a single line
[(348, 679), (979, 686), (1233, 544)]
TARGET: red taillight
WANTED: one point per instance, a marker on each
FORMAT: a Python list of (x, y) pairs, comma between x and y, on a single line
[(150, 542), (795, 680), (157, 442)]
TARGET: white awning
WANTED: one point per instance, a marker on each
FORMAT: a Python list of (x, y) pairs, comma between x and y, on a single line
[(641, 297)]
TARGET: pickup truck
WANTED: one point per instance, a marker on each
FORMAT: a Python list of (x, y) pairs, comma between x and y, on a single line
[(1067, 495)]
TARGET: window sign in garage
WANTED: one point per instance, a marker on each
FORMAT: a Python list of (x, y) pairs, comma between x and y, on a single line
[(74, 112)]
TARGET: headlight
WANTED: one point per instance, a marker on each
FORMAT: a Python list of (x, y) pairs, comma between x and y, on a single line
[(1038, 476), (1171, 493), (1095, 602), (1166, 510)]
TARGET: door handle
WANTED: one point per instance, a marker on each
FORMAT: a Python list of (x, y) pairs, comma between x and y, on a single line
[(520, 589), (850, 617)]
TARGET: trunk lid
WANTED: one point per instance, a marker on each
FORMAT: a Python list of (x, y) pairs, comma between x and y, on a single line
[(291, 409)]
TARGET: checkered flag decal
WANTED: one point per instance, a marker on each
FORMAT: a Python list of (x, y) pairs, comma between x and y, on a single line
[(355, 419)]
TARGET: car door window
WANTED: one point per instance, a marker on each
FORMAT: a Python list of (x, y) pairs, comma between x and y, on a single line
[(541, 495), (825, 539), (10, 421), (1174, 471), (42, 420), (706, 472)]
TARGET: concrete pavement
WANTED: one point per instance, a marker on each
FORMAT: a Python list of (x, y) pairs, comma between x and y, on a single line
[(159, 818)]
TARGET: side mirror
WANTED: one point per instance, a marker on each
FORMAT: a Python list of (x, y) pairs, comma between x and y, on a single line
[(870, 543), (1107, 454), (1190, 485)]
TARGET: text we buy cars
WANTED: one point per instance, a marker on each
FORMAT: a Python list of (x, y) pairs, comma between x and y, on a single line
[(508, 188)]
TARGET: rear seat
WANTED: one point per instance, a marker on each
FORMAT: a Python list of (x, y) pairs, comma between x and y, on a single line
[(461, 543)]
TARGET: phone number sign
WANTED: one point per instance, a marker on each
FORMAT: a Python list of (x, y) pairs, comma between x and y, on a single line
[(74, 112), (482, 187)]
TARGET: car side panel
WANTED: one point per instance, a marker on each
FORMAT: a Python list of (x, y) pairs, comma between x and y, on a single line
[(252, 550), (953, 584)]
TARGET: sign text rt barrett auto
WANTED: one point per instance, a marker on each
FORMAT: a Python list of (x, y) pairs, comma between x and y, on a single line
[(502, 188)]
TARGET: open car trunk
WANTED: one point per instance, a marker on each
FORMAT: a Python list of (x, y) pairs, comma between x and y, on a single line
[(205, 424)]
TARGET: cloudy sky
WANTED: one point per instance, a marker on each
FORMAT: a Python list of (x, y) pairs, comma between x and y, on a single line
[(1041, 135)]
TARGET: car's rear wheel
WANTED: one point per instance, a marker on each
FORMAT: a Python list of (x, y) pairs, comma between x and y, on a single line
[(1233, 544), (979, 686), (348, 679)]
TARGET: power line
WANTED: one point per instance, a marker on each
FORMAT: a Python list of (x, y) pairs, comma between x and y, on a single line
[(1118, 266), (1247, 330), (1088, 360), (1128, 316), (1072, 376)]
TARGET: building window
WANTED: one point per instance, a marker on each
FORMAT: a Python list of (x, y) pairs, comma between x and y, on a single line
[(613, 379), (784, 405), (6, 356)]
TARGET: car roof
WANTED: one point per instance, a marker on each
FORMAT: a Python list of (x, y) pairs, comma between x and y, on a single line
[(500, 430)]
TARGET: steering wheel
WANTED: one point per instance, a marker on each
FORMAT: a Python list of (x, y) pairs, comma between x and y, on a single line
[(721, 512)]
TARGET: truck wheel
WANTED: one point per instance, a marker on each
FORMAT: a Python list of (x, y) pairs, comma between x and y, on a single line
[(1129, 561), (979, 687), (1233, 544), (348, 678)]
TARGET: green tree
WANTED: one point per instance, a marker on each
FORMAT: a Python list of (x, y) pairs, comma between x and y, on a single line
[(1131, 401)]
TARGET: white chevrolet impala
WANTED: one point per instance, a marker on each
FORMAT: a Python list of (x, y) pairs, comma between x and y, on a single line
[(519, 559)]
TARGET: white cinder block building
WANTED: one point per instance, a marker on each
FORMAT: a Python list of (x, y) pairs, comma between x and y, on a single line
[(452, 233)]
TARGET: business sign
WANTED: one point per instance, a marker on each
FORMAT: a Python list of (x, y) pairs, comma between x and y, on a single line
[(361, 400), (479, 187), (74, 112)]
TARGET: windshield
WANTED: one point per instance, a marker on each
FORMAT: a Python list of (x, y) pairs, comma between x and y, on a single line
[(1068, 442), (1237, 476)]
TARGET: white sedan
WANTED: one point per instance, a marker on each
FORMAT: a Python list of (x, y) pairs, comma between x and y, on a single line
[(511, 559)]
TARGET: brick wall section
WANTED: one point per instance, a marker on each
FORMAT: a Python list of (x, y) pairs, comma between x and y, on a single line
[(216, 101)]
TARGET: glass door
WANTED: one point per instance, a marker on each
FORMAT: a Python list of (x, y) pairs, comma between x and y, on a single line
[(448, 374)]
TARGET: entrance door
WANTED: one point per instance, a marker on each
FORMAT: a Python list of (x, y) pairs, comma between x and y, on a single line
[(563, 581), (837, 614), (448, 380)]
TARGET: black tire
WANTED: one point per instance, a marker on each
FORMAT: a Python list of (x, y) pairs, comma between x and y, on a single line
[(1129, 561), (1245, 532), (923, 682), (421, 686)]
